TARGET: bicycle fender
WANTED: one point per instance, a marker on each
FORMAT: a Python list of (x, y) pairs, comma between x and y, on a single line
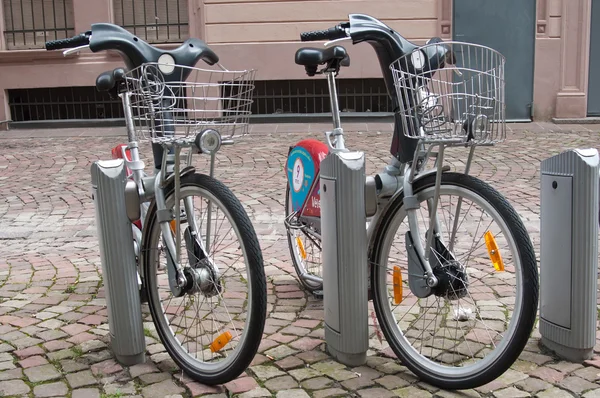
[(302, 168), (378, 219)]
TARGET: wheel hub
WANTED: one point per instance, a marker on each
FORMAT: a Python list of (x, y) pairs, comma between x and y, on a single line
[(202, 280), (452, 281)]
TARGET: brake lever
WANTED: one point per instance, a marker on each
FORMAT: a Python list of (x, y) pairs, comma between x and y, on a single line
[(328, 43), (75, 49)]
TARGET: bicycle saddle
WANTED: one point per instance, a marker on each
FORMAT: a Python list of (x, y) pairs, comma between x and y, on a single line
[(309, 56), (106, 81)]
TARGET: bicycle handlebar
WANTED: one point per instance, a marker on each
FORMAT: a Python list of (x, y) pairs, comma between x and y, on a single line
[(75, 41), (337, 32)]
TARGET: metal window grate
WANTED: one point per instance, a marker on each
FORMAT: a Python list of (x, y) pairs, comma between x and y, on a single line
[(155, 21), (312, 96), (62, 103), (270, 98), (30, 23)]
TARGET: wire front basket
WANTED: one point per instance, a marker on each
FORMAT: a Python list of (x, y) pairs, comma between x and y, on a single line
[(451, 93), (174, 102)]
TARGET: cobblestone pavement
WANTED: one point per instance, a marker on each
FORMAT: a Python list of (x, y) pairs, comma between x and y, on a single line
[(53, 319)]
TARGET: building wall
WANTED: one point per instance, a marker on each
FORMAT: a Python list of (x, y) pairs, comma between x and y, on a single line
[(562, 58), (263, 34)]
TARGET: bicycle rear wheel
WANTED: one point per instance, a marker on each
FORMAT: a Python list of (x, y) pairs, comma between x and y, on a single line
[(304, 243), (213, 327), (474, 324)]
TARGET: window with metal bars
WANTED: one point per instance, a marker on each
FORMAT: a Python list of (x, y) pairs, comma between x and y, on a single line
[(62, 103), (312, 96), (155, 21), (270, 98), (29, 24)]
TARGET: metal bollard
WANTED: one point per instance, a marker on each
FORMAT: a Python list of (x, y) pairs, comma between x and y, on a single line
[(118, 262), (569, 253), (344, 239)]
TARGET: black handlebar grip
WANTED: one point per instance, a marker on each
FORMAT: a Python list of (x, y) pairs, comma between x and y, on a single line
[(76, 41), (336, 32)]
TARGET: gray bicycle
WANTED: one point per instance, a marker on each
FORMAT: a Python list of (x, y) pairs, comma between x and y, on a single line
[(453, 274), (199, 261)]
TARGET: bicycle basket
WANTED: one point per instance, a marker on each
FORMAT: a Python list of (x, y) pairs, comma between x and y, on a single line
[(176, 102), (451, 104)]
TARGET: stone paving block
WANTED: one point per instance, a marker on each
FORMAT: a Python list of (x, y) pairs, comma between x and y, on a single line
[(160, 390), (375, 393), (290, 362), (13, 387), (81, 379), (256, 393), (294, 393), (86, 393), (51, 390), (240, 385), (11, 374), (32, 361), (281, 383), (318, 383), (42, 373), (26, 342), (412, 392), (280, 352), (576, 384), (511, 392), (51, 324), (266, 372), (554, 392), (151, 378), (61, 354), (107, 367), (142, 369), (120, 389)]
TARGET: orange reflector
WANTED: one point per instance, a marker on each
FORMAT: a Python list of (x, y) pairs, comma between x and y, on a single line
[(173, 224), (493, 251), (397, 285), (220, 342), (301, 247)]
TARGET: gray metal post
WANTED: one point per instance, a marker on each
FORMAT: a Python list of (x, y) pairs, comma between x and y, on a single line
[(569, 253), (343, 227), (119, 272)]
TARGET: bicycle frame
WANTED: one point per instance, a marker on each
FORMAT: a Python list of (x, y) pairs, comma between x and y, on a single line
[(397, 178), (143, 189)]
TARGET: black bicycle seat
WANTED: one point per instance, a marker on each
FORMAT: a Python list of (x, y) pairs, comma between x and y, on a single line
[(106, 81), (309, 56)]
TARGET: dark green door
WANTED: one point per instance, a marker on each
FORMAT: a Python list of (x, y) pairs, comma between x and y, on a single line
[(507, 26)]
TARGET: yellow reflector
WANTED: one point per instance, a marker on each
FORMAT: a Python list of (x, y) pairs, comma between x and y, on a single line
[(173, 224), (493, 251), (397, 285), (301, 247), (220, 342)]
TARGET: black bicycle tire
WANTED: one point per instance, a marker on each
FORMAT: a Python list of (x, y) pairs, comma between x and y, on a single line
[(259, 290), (529, 273)]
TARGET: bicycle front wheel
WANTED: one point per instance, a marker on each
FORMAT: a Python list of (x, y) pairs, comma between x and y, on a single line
[(473, 325), (212, 327)]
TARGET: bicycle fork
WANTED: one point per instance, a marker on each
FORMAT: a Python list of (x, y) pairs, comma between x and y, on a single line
[(201, 273)]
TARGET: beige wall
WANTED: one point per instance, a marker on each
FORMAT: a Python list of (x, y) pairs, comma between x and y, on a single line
[(562, 58), (263, 34)]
